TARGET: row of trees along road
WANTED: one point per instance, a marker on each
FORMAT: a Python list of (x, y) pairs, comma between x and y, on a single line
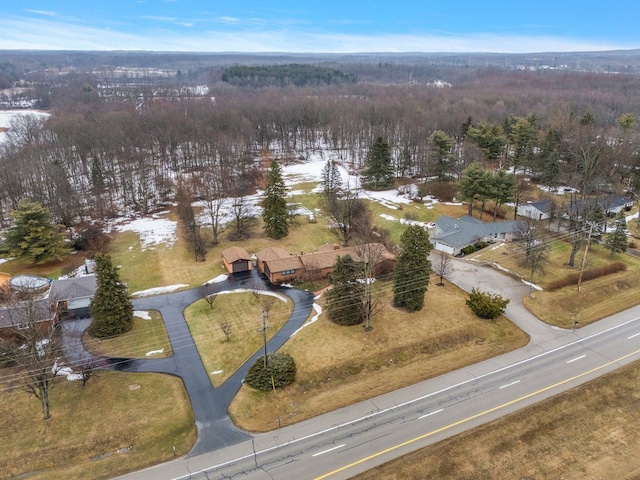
[(99, 155)]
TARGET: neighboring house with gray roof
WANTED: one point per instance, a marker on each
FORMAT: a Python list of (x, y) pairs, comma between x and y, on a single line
[(540, 210), (453, 234), (611, 204), (73, 295)]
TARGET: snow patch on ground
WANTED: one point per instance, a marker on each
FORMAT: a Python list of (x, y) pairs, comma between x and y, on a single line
[(532, 285), (219, 279), (2, 260), (318, 310), (154, 352), (158, 290), (65, 372), (142, 314), (261, 292), (217, 372), (152, 230)]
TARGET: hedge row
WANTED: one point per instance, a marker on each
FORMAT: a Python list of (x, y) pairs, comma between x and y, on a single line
[(591, 274)]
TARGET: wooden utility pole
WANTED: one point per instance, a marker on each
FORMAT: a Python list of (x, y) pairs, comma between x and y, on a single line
[(264, 334), (584, 259)]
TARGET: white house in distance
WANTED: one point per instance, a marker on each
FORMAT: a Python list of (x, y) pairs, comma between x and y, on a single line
[(540, 210), (453, 234)]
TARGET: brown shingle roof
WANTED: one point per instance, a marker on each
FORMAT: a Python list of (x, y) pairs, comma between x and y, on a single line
[(282, 264), (271, 253), (233, 254)]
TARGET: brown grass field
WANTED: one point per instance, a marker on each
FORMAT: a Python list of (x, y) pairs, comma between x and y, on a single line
[(147, 412), (338, 365)]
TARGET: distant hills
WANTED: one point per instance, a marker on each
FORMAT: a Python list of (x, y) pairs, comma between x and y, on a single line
[(616, 61)]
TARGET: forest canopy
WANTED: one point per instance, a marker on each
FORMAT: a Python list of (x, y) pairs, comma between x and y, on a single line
[(285, 75)]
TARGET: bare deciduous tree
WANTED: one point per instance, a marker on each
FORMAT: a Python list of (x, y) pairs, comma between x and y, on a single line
[(35, 347), (370, 255), (442, 265), (225, 326)]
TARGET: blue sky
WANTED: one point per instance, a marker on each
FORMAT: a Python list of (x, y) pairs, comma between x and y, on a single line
[(321, 26)]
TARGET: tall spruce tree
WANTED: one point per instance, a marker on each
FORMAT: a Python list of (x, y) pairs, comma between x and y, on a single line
[(413, 269), (617, 240), (344, 300), (275, 213), (33, 236), (111, 308), (331, 179), (378, 172)]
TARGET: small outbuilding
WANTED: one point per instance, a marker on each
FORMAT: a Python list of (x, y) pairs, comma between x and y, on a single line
[(236, 259)]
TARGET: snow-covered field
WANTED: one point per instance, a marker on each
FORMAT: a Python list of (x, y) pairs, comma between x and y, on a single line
[(6, 116)]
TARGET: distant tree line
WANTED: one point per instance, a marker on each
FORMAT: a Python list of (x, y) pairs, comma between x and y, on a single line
[(298, 75)]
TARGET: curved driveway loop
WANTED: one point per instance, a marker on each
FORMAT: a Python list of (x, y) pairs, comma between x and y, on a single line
[(215, 429), (210, 405)]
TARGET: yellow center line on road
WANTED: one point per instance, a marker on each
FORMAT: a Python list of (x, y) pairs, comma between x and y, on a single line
[(477, 415)]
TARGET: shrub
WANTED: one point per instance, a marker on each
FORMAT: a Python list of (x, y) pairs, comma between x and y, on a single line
[(487, 305), (480, 245), (280, 371), (594, 273), (468, 249)]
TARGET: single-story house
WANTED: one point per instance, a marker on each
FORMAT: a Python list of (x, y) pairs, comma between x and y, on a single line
[(18, 315), (267, 254), (611, 204), (73, 295), (286, 269), (540, 210), (319, 264), (453, 234), (236, 259)]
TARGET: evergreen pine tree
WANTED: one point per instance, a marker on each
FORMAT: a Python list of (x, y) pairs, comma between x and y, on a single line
[(344, 300), (331, 179), (33, 237), (378, 172), (617, 240), (111, 308), (413, 269), (275, 212), (598, 219), (474, 184)]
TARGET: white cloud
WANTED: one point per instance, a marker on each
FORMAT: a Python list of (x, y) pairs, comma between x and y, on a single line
[(228, 19), (46, 13), (159, 18)]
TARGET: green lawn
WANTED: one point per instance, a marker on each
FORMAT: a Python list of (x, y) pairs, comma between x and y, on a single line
[(144, 337), (242, 314)]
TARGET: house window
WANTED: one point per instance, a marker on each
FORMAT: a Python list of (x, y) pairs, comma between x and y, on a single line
[(287, 272)]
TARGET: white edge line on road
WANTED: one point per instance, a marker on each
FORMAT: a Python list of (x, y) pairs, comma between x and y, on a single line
[(327, 451), (634, 335), (430, 413), (508, 385), (577, 358), (409, 402)]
